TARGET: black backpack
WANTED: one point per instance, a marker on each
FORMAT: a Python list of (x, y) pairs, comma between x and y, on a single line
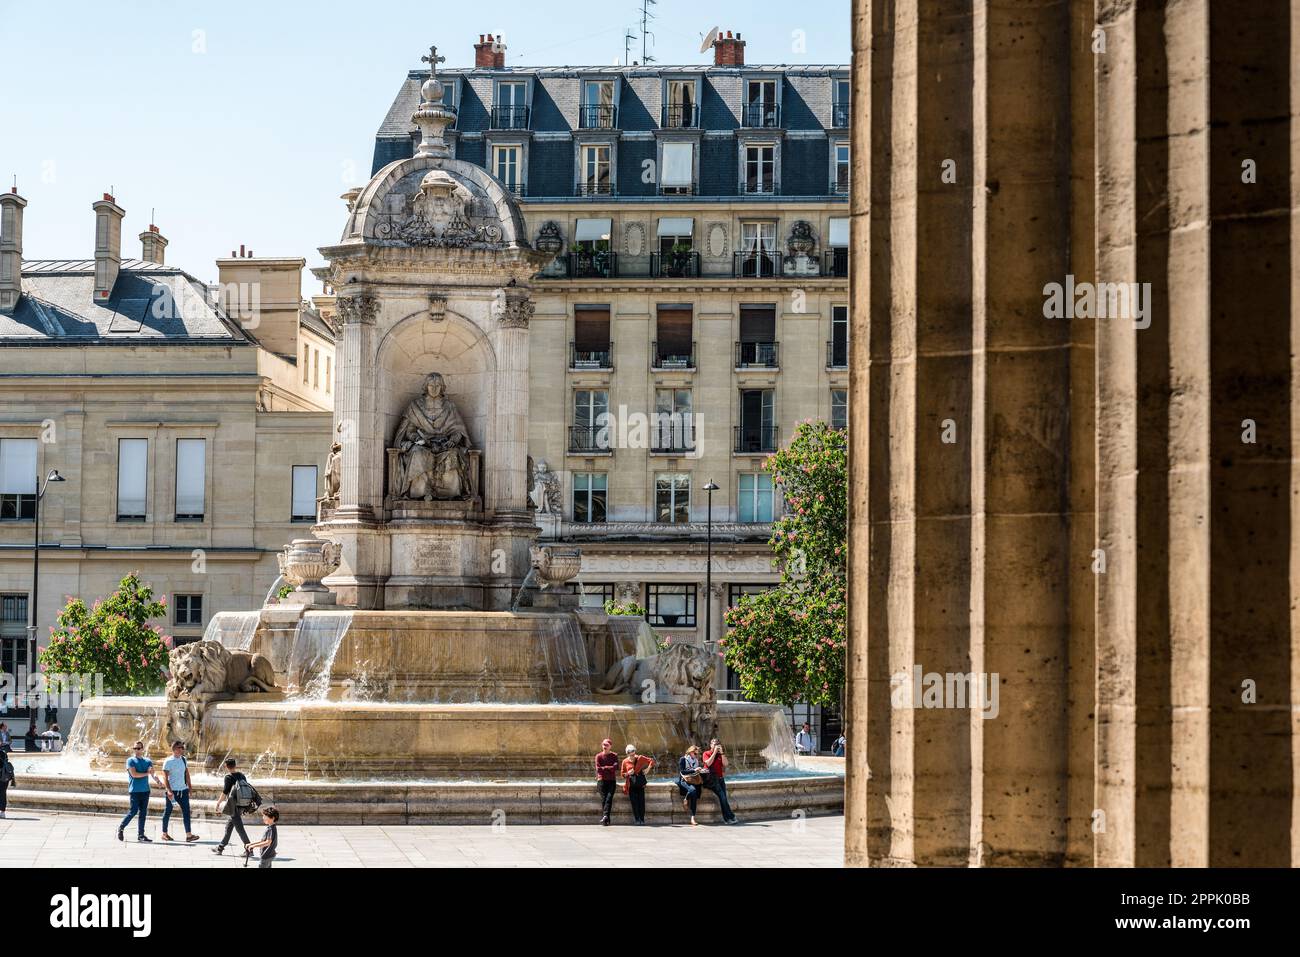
[(245, 795)]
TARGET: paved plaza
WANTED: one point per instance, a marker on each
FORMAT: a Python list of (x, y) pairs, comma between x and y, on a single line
[(31, 838)]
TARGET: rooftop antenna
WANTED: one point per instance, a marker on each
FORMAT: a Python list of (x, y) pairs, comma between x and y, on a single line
[(628, 37), (708, 40), (646, 17)]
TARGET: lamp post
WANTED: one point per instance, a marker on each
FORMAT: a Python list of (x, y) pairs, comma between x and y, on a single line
[(52, 476), (710, 487)]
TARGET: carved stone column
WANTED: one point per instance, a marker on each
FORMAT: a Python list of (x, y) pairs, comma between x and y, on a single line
[(354, 408)]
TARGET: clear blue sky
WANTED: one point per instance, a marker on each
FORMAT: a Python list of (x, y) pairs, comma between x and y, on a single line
[(242, 122)]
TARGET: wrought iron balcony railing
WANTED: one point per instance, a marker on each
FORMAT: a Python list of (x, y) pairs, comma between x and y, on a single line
[(671, 356), (681, 116), (589, 438), (509, 117), (675, 435), (757, 355), (750, 438), (594, 188), (837, 354), (835, 262), (762, 115), (840, 116), (597, 117), (592, 265), (600, 359), (756, 265), (675, 265)]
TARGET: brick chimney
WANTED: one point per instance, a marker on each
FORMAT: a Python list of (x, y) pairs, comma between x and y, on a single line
[(728, 50), (490, 52), (108, 245), (11, 249), (152, 244)]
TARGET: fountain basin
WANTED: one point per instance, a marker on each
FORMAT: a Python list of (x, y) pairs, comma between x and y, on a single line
[(370, 740)]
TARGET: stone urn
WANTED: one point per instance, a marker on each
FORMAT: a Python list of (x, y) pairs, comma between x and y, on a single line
[(305, 561), (801, 241), (556, 564)]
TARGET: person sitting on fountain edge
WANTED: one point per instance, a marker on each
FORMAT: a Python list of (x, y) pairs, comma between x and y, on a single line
[(606, 771), (239, 797)]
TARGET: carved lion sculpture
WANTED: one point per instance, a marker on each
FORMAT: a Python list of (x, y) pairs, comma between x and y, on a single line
[(683, 673), (200, 671)]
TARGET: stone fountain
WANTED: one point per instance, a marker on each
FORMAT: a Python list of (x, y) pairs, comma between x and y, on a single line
[(428, 638)]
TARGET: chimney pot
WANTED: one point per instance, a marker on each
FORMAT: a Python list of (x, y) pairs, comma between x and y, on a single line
[(490, 52), (108, 245), (11, 249), (728, 50)]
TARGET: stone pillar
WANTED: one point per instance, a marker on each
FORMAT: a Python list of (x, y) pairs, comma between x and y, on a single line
[(958, 223)]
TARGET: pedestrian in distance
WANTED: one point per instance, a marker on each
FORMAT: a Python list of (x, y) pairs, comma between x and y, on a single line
[(606, 772), (634, 769), (176, 778), (139, 771), (238, 797)]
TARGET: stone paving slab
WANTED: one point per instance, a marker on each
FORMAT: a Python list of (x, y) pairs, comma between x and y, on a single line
[(51, 839)]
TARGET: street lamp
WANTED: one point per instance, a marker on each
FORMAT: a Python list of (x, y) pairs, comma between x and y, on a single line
[(53, 476), (710, 487)]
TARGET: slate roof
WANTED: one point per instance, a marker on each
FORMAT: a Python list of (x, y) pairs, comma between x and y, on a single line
[(149, 303)]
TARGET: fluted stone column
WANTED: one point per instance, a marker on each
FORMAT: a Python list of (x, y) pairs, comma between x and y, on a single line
[(354, 408)]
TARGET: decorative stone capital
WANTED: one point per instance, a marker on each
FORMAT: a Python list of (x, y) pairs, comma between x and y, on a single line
[(362, 309), (517, 311)]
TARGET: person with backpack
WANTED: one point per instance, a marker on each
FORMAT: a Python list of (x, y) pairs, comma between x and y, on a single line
[(6, 779), (176, 778), (634, 782), (238, 797)]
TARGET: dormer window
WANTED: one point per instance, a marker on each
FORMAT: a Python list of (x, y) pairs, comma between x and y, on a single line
[(840, 105), (596, 164), (680, 109), (598, 111), (511, 109), (761, 106)]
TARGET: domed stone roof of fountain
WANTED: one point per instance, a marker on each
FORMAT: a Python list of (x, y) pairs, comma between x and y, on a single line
[(432, 201)]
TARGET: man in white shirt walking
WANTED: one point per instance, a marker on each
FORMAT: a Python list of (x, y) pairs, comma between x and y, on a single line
[(803, 741)]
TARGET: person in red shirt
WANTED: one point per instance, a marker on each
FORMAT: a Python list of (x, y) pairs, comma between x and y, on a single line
[(715, 759), (633, 770), (606, 772)]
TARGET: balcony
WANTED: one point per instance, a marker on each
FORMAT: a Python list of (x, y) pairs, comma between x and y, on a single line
[(681, 116), (760, 115), (671, 356), (590, 265), (588, 438), (598, 117), (837, 354), (509, 118), (748, 438), (756, 265), (594, 188), (757, 355), (674, 434), (835, 262), (675, 265), (591, 359), (840, 116), (840, 184)]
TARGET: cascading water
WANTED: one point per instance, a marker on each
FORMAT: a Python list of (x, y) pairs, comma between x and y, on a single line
[(779, 752), (316, 642), (234, 629)]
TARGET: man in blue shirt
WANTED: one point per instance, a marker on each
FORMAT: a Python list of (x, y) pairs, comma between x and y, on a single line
[(176, 777), (139, 770)]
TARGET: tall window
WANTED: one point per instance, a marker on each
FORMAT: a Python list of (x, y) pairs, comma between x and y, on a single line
[(760, 104), (591, 342), (674, 348), (512, 108), (132, 475), (837, 243), (191, 456), (306, 364), (590, 420), (505, 164), (595, 169), (757, 429), (304, 494), (597, 104), (13, 637), (17, 479), (328, 381), (673, 497), (677, 258), (674, 427), (758, 248), (315, 368), (755, 502), (188, 609), (839, 408), (839, 344), (680, 112), (840, 116), (671, 606), (757, 344), (841, 182), (589, 495), (760, 168), (677, 172)]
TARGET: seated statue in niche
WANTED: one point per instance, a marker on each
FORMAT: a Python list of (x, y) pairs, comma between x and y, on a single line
[(432, 442)]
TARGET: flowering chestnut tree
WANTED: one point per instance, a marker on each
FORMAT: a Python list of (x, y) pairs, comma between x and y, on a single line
[(113, 638), (788, 644)]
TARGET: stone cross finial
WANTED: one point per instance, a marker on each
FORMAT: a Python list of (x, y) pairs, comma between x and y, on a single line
[(433, 60)]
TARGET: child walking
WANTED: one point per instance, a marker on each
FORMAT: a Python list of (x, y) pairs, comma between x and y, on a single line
[(270, 816)]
